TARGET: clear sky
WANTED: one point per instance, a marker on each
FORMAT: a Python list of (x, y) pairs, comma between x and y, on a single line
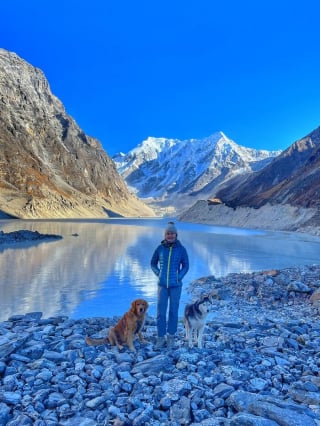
[(129, 69)]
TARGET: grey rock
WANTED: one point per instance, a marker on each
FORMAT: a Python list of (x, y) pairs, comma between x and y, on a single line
[(245, 419), (152, 366), (8, 397), (4, 414), (180, 411), (271, 408), (78, 421)]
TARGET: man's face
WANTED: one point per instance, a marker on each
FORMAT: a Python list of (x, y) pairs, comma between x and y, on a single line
[(170, 237)]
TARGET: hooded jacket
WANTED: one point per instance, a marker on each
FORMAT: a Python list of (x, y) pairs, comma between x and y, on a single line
[(170, 263)]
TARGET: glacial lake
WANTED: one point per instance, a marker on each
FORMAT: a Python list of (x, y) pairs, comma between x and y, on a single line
[(100, 266)]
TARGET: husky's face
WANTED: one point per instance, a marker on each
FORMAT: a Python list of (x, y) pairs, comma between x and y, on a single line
[(205, 304)]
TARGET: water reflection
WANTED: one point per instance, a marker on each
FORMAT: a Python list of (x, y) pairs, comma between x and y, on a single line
[(99, 272)]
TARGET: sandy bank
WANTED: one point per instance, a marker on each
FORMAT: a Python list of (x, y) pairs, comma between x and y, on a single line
[(276, 218)]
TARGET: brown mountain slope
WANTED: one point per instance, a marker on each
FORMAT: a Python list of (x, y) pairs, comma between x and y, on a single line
[(291, 178), (48, 166)]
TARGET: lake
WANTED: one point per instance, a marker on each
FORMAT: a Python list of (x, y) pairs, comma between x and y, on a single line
[(100, 266)]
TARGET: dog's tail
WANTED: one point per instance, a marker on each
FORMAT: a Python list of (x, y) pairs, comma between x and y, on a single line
[(95, 342)]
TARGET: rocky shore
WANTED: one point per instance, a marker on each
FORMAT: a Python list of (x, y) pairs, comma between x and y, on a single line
[(24, 235), (260, 365), (279, 217)]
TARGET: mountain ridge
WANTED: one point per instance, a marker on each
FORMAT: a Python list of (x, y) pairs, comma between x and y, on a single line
[(293, 177), (285, 195), (49, 166), (159, 168)]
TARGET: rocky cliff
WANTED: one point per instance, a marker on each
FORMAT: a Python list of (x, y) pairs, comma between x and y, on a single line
[(292, 177), (49, 168)]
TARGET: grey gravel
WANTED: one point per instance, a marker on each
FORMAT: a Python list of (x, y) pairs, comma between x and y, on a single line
[(260, 365)]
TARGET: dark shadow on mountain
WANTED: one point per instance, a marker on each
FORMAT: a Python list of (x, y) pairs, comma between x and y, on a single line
[(4, 215), (111, 213)]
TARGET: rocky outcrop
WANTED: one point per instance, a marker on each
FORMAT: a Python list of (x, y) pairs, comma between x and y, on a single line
[(16, 237), (49, 168)]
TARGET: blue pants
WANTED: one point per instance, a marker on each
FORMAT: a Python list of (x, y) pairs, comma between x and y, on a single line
[(165, 295)]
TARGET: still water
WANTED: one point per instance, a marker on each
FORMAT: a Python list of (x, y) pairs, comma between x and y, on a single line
[(98, 271)]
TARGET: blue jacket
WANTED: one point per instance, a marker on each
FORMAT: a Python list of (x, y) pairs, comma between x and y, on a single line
[(170, 263)]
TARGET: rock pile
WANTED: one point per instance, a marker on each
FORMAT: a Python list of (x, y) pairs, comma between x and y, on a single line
[(260, 365), (25, 235)]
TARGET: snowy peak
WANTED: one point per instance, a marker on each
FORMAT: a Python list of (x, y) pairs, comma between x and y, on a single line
[(152, 147), (168, 171)]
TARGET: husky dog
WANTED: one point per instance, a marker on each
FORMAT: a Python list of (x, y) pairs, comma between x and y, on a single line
[(194, 319)]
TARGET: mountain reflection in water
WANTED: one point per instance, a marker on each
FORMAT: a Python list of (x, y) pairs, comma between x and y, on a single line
[(100, 266)]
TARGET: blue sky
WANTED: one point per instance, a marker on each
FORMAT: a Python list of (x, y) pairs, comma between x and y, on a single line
[(126, 70)]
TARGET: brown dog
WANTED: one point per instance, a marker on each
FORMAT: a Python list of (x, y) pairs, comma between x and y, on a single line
[(126, 328)]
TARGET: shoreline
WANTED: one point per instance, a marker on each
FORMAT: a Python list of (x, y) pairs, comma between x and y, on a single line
[(275, 219), (283, 218)]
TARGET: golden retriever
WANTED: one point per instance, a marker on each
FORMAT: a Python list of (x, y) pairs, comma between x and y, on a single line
[(126, 328)]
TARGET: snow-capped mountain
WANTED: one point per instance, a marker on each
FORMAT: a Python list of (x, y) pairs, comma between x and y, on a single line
[(170, 174)]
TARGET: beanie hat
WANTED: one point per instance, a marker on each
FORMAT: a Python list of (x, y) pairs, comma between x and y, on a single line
[(171, 228)]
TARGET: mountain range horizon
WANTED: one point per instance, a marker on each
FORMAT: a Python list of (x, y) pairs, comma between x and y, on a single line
[(50, 168), (188, 139), (170, 174)]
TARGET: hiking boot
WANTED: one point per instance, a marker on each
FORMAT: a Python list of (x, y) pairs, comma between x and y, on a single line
[(160, 343), (170, 341)]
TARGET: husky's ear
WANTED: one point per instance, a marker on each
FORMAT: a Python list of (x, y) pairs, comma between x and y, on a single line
[(207, 298), (203, 299)]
